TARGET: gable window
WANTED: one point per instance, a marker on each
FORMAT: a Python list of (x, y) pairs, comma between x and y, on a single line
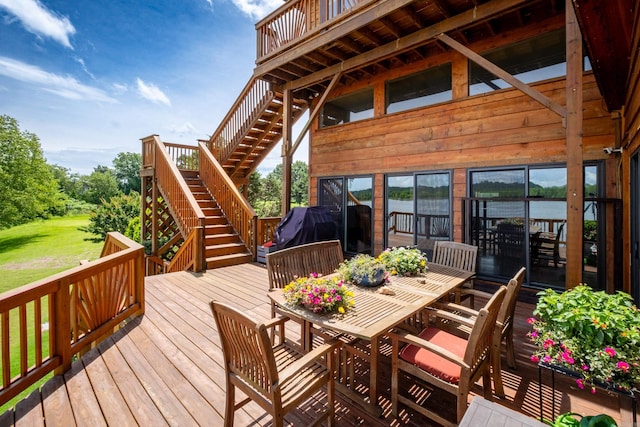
[(424, 88), (535, 59), (349, 108)]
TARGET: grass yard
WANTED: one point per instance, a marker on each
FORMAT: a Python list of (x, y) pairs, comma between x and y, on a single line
[(34, 251), (39, 249)]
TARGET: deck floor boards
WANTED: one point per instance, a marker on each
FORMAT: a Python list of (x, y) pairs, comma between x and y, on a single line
[(164, 368)]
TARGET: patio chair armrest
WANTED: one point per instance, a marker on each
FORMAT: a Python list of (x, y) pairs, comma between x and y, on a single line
[(408, 338), (447, 315), (276, 321), (456, 308), (475, 293), (290, 372)]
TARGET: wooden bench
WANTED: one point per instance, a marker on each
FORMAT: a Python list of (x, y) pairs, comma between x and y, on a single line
[(286, 265)]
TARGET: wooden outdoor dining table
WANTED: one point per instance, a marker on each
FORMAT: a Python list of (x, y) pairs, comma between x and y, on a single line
[(374, 313)]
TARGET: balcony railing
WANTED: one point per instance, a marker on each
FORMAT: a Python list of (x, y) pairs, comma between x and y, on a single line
[(298, 19), (45, 324)]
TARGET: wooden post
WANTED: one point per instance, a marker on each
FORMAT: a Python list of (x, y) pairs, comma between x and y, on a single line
[(575, 168), (286, 152), (62, 326)]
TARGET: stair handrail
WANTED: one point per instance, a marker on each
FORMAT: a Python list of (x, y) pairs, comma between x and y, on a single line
[(180, 201), (188, 256), (251, 102), (233, 204)]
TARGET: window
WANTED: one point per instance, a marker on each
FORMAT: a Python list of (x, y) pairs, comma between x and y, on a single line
[(427, 87), (348, 108), (531, 60), (418, 209), (351, 210)]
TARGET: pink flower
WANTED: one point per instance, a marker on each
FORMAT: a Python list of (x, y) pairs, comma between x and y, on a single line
[(566, 356), (580, 383), (622, 365), (547, 343), (593, 390), (534, 334), (610, 351), (535, 358), (531, 320), (585, 367), (546, 358)]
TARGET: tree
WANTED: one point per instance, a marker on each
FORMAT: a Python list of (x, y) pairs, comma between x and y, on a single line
[(300, 183), (28, 190), (100, 185), (114, 214), (127, 171)]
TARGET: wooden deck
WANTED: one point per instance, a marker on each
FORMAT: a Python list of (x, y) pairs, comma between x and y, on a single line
[(164, 368)]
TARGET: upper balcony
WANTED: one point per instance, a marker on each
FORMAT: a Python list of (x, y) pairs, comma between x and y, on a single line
[(304, 43)]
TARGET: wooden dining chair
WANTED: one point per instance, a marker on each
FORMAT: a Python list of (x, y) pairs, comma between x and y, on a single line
[(277, 378), (458, 255), (445, 360), (504, 325)]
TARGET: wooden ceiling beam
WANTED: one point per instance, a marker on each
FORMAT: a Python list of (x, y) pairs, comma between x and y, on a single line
[(482, 12), (491, 67)]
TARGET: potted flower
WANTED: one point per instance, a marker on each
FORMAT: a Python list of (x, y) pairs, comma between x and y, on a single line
[(363, 270), (404, 261), (594, 335), (571, 419), (319, 294)]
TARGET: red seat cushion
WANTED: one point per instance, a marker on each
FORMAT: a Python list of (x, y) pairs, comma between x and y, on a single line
[(431, 362)]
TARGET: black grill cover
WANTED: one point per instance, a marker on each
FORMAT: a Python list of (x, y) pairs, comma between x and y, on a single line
[(305, 225)]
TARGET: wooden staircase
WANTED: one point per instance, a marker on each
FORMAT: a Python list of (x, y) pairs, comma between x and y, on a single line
[(251, 129), (223, 246)]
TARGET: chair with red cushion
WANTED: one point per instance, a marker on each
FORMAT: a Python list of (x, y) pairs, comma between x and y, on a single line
[(448, 361)]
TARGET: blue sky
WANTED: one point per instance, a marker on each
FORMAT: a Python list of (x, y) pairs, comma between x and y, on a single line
[(92, 77)]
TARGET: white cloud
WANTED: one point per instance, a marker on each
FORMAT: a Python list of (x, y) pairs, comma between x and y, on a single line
[(257, 9), (64, 86), (83, 65), (152, 92), (185, 130), (37, 19)]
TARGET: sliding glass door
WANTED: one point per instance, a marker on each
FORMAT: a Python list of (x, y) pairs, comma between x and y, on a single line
[(418, 209)]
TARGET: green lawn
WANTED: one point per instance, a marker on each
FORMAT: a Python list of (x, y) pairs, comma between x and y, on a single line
[(34, 251), (39, 249)]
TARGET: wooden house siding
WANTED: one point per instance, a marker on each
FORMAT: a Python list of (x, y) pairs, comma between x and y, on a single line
[(498, 129)]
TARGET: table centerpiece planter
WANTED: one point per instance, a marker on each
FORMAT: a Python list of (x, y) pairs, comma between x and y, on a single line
[(319, 294), (404, 261), (363, 270)]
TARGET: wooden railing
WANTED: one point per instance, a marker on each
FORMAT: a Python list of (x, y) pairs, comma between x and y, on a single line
[(184, 156), (46, 323), (180, 201), (232, 203), (188, 256), (267, 229), (300, 18), (242, 115)]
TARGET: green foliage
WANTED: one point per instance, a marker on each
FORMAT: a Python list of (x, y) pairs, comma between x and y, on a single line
[(594, 334), (127, 171), (265, 194), (571, 419), (134, 229), (100, 185), (361, 267), (404, 261), (29, 190), (114, 214), (590, 230)]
